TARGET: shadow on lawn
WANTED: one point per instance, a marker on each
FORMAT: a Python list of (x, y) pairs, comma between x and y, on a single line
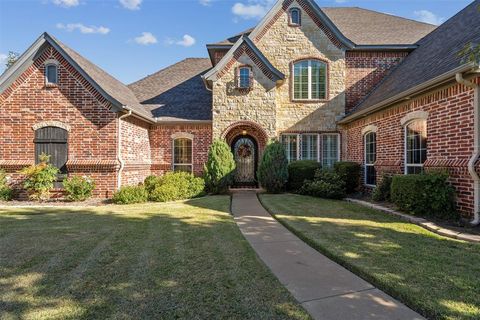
[(146, 261)]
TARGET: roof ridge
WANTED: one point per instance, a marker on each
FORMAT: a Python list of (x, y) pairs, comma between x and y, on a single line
[(390, 15)]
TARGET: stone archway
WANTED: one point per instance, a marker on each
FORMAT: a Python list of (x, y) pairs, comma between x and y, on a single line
[(247, 140)]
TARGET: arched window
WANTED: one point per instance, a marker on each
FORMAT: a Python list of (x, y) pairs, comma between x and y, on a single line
[(415, 146), (244, 77), (370, 145), (309, 80), (295, 17), (54, 142), (51, 73), (182, 155)]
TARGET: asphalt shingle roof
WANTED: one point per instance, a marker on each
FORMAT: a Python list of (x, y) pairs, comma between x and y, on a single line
[(437, 54), (367, 27), (177, 93)]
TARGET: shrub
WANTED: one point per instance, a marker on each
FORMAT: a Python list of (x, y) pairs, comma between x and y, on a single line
[(130, 194), (151, 182), (382, 190), (219, 169), (326, 184), (39, 178), (177, 186), (427, 194), (299, 171), (350, 173), (272, 171), (6, 192), (78, 188)]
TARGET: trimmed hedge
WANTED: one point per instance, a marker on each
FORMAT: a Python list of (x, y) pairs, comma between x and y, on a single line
[(326, 184), (130, 194), (427, 194), (299, 171), (382, 190), (350, 174), (219, 169), (175, 186), (272, 171)]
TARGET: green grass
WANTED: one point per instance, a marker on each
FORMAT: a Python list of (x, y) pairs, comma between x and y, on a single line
[(183, 260), (437, 276)]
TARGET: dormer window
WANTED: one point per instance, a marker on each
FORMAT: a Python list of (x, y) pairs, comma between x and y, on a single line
[(244, 77), (51, 73), (295, 17)]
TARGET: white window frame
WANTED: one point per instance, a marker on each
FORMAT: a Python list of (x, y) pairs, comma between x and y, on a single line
[(301, 145), (405, 155), (250, 77), (309, 80), (49, 64), (365, 157), (290, 20), (173, 152), (338, 147), (297, 146)]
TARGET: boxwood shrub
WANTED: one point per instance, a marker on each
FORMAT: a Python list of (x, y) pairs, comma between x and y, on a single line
[(174, 186), (427, 194), (382, 190), (130, 194), (326, 184), (350, 174), (299, 171), (78, 188)]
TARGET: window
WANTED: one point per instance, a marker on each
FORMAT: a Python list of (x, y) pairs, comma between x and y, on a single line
[(310, 147), (290, 143), (182, 155), (295, 17), (415, 146), (309, 80), (51, 74), (53, 141), (370, 158), (244, 77), (330, 150)]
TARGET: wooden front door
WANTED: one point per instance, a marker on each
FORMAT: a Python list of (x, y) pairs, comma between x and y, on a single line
[(245, 152)]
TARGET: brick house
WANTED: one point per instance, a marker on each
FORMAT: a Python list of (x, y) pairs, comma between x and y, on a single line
[(330, 83)]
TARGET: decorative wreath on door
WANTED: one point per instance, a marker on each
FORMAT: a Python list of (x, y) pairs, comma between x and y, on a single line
[(244, 151)]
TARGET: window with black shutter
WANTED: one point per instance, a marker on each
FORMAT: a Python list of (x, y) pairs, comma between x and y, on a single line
[(54, 142)]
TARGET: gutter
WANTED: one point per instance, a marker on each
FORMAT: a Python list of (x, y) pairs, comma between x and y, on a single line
[(119, 149), (476, 146)]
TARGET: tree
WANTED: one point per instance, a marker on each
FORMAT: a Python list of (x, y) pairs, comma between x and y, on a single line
[(218, 171), (11, 58), (273, 169)]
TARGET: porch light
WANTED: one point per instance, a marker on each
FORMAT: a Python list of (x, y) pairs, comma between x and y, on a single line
[(244, 132)]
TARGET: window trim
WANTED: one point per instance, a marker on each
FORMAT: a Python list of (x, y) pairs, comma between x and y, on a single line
[(237, 73), (290, 22), (292, 80), (299, 137), (339, 153), (301, 145), (405, 156), (181, 137), (365, 157), (297, 151), (50, 63)]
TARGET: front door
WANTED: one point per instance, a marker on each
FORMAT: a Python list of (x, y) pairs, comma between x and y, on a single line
[(245, 153)]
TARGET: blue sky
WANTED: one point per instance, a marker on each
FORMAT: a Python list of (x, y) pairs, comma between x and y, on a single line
[(133, 38)]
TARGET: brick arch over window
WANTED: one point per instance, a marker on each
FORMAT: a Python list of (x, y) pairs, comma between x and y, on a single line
[(57, 124), (251, 128)]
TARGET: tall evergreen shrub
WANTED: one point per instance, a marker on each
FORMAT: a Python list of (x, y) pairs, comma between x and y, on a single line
[(219, 169), (273, 169)]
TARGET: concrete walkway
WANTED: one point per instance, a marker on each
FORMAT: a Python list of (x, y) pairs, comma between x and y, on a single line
[(325, 289)]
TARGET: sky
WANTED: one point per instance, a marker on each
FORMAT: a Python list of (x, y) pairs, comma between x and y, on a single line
[(131, 39)]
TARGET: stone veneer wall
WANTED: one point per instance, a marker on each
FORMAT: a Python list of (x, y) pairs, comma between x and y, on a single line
[(449, 132), (93, 128)]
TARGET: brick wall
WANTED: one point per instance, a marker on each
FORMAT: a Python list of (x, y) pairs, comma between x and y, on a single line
[(161, 144), (135, 150), (449, 132), (364, 72), (93, 128)]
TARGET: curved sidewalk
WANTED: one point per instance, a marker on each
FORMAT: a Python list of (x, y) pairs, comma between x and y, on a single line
[(324, 288)]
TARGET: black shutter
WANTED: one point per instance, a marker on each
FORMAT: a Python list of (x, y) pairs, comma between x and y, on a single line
[(54, 142)]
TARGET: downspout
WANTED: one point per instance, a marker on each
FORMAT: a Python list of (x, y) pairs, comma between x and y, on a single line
[(119, 148), (476, 146)]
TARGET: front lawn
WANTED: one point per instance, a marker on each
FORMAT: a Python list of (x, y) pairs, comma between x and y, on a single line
[(436, 276), (183, 260)]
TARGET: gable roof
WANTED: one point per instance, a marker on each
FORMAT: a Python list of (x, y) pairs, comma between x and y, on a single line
[(435, 60), (177, 93), (121, 97), (364, 27)]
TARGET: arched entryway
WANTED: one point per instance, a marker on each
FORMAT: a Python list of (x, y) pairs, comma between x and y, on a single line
[(247, 140)]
